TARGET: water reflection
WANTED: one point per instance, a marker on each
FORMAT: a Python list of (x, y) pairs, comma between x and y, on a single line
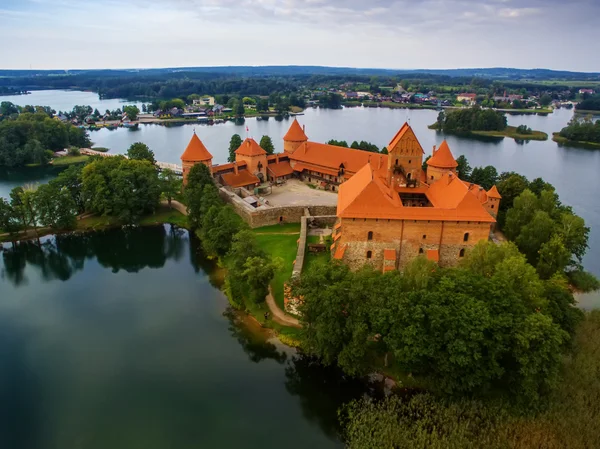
[(59, 257)]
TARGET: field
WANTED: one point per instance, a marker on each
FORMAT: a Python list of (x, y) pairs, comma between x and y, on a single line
[(280, 241), (68, 160)]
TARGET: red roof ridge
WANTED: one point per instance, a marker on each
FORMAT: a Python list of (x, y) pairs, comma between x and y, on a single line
[(295, 133), (249, 147), (493, 193), (442, 158), (196, 151)]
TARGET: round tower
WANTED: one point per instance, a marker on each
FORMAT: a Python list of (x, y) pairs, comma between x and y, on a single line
[(294, 137), (195, 153), (440, 163)]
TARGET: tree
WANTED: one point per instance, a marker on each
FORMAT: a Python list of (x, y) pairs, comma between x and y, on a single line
[(8, 219), (219, 225), (553, 257), (545, 100), (139, 151), (198, 178), (55, 207), (234, 144), (131, 111), (463, 168), (70, 179), (238, 109), (486, 177), (534, 234), (262, 105), (170, 184), (22, 204), (338, 143), (267, 144)]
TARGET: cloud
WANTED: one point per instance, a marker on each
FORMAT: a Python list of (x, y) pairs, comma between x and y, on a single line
[(374, 33)]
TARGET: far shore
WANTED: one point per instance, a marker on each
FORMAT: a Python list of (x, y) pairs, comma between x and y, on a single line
[(576, 143), (509, 131)]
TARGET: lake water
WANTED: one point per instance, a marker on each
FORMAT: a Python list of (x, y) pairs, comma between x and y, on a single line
[(573, 171), (121, 339)]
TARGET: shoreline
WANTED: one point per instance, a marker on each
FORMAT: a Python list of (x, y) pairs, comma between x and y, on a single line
[(556, 137), (509, 132)]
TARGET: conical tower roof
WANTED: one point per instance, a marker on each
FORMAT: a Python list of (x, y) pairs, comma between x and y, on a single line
[(295, 133), (493, 193), (196, 151), (249, 147), (443, 158)]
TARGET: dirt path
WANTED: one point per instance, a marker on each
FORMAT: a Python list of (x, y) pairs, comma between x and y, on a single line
[(278, 315)]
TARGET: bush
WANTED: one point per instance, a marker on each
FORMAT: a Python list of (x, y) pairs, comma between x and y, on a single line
[(523, 129), (584, 280), (74, 151)]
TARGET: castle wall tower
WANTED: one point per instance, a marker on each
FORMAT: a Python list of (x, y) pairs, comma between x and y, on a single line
[(294, 137), (405, 158), (195, 153), (440, 163), (493, 203), (254, 156)]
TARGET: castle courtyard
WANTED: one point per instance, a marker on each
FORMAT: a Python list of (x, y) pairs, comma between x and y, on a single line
[(296, 193)]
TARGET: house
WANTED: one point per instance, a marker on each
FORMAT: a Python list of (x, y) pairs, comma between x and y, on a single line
[(587, 91), (467, 98), (204, 101)]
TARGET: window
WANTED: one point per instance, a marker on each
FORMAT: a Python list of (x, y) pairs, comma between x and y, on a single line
[(409, 161), (370, 235), (280, 219), (408, 176), (421, 251), (466, 237), (492, 206), (424, 236), (432, 177), (461, 253), (369, 254), (333, 188), (309, 180), (396, 161)]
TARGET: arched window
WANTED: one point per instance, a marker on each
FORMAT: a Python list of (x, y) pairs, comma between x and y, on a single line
[(370, 235), (396, 161), (461, 253), (421, 251), (408, 176), (492, 206), (432, 177), (369, 254), (466, 237)]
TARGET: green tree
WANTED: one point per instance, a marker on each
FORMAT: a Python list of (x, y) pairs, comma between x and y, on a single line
[(170, 184), (238, 109), (8, 219), (463, 168), (267, 144), (338, 143), (131, 111), (545, 100), (198, 177), (553, 257), (534, 234), (70, 179), (55, 207), (22, 204), (486, 177), (524, 207), (139, 151), (234, 144), (219, 225)]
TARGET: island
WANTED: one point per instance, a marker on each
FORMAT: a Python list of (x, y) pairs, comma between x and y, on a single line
[(476, 121), (581, 132)]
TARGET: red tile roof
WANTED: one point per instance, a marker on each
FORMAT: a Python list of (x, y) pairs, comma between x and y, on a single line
[(280, 169), (295, 133), (339, 253), (493, 193), (241, 179), (332, 157), (196, 151), (405, 131), (249, 147), (389, 254), (442, 158), (224, 167)]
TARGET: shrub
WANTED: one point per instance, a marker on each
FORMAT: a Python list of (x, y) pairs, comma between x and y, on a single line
[(584, 280)]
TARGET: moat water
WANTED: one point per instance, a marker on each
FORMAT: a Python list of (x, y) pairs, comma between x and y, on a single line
[(122, 339), (573, 171)]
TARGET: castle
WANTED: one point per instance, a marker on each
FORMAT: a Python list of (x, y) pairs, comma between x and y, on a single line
[(389, 209)]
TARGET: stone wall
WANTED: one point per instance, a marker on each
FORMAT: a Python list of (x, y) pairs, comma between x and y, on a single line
[(409, 238), (266, 215)]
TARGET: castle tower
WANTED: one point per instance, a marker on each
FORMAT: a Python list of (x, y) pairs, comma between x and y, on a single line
[(294, 137), (405, 158), (195, 153), (254, 156), (440, 163), (493, 203)]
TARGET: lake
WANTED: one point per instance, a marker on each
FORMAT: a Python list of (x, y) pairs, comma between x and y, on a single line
[(573, 171), (122, 339)]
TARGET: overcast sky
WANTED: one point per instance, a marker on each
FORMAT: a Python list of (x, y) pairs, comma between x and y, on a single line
[(60, 34)]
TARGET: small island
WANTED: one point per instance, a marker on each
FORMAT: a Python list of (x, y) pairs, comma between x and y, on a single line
[(580, 132), (483, 122)]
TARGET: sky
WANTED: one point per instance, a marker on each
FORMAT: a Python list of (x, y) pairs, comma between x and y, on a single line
[(397, 34)]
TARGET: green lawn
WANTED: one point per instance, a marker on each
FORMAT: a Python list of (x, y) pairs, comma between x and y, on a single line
[(68, 160), (283, 246), (310, 259)]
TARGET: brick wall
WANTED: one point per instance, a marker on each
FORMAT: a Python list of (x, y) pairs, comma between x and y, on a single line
[(407, 237)]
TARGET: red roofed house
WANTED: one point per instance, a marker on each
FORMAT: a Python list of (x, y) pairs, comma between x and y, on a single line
[(195, 153)]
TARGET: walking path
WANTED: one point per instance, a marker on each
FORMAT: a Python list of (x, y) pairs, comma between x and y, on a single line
[(279, 315)]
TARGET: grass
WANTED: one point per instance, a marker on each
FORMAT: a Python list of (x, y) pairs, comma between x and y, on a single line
[(165, 215), (279, 229), (312, 259), (511, 131), (282, 246), (563, 140), (68, 160)]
